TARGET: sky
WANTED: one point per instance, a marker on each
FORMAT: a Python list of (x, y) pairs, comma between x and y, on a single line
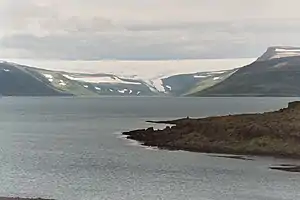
[(145, 29)]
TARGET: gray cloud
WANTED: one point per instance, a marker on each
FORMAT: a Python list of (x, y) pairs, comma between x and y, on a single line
[(132, 29)]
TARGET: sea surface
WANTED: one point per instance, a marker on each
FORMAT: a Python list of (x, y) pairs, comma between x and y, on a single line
[(72, 149)]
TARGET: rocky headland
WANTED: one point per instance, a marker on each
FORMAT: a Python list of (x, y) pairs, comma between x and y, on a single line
[(266, 134)]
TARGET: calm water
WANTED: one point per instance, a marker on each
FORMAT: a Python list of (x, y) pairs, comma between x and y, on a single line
[(70, 149)]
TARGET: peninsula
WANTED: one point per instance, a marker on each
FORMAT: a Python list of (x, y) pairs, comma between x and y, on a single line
[(266, 134)]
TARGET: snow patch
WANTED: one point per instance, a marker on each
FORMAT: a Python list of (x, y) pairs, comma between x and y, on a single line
[(158, 84), (284, 53), (100, 79), (69, 77), (217, 72), (123, 91), (200, 76), (48, 76), (287, 50), (62, 83)]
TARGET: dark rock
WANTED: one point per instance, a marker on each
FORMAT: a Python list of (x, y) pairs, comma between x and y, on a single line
[(287, 168), (294, 105), (234, 157), (151, 129), (270, 134)]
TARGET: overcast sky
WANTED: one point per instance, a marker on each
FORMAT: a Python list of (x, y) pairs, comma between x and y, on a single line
[(145, 29)]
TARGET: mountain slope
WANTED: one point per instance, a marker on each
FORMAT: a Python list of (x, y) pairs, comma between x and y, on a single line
[(279, 52), (109, 84), (20, 80), (276, 73), (16, 81)]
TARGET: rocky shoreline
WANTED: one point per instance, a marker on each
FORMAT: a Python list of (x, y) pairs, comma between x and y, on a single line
[(266, 134)]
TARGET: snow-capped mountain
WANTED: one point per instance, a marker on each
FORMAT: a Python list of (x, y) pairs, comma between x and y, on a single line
[(279, 52), (125, 78), (275, 74), (109, 84)]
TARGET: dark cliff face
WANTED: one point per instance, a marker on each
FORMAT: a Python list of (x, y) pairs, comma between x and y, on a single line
[(275, 77)]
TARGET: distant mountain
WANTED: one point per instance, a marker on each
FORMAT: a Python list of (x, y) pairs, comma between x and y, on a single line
[(276, 73), (279, 52), (20, 80), (16, 80)]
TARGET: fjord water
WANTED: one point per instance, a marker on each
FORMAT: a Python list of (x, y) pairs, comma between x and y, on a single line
[(70, 149)]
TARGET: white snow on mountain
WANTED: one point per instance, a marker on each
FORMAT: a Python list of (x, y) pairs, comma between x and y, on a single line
[(48, 76), (217, 72), (200, 76), (287, 50), (123, 91), (62, 83), (282, 53), (279, 52), (100, 79), (150, 72), (158, 84)]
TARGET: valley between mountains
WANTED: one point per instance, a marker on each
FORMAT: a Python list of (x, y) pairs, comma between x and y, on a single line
[(275, 73)]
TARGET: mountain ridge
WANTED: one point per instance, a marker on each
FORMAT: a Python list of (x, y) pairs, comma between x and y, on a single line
[(279, 52), (61, 83), (275, 73)]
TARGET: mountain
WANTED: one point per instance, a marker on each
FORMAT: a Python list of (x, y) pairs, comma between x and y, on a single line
[(279, 52), (21, 80), (275, 73), (16, 80)]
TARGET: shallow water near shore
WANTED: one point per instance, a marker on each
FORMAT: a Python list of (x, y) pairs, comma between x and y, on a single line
[(70, 149)]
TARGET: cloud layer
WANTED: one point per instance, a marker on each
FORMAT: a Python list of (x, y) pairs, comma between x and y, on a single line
[(145, 30)]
